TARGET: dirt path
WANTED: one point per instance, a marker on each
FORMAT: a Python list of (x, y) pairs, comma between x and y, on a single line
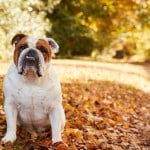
[(137, 75)]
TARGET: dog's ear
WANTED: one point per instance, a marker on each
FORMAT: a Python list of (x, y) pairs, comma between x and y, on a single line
[(17, 38), (53, 44)]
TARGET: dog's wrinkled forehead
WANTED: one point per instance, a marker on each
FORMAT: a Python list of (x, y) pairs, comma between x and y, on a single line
[(32, 41)]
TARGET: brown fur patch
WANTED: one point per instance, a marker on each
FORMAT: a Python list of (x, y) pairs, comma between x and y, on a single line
[(22, 42), (45, 49)]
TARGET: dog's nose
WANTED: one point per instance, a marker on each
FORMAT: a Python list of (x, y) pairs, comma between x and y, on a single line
[(31, 55)]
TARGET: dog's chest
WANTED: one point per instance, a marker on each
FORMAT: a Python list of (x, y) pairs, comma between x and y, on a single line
[(32, 98), (33, 104)]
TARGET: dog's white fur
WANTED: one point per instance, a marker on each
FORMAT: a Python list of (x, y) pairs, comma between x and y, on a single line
[(33, 102)]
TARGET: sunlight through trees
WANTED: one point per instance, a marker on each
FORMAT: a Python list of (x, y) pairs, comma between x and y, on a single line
[(97, 28)]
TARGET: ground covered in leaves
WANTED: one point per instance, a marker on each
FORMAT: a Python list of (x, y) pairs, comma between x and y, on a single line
[(101, 115), (105, 115)]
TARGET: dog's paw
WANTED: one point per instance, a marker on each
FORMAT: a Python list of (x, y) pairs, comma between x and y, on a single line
[(60, 146), (9, 137)]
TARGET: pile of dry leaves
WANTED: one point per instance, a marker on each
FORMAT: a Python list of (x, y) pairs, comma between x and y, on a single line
[(100, 115)]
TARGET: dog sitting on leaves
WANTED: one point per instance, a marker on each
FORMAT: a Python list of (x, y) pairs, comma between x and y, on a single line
[(32, 91)]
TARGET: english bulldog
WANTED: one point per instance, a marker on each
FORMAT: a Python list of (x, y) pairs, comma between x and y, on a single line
[(33, 97)]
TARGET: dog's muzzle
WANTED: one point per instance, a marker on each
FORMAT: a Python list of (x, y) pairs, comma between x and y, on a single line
[(31, 58), (30, 62)]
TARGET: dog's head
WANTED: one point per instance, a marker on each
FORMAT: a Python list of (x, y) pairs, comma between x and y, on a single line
[(32, 55)]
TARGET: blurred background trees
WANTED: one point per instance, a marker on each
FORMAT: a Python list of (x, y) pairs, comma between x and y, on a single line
[(101, 29)]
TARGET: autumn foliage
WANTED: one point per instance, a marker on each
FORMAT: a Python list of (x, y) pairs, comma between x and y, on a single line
[(100, 115), (100, 29)]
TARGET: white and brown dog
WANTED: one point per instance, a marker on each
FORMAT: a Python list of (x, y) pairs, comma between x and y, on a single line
[(32, 91)]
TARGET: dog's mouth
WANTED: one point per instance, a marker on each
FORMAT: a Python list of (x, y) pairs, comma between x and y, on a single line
[(30, 64)]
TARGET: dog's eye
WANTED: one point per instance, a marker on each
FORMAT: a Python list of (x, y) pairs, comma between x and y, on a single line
[(44, 53), (21, 48), (43, 50)]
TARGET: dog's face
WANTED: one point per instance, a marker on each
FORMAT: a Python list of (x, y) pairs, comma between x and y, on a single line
[(31, 54)]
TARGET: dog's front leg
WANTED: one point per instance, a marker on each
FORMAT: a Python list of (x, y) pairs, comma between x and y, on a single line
[(11, 119), (57, 119)]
